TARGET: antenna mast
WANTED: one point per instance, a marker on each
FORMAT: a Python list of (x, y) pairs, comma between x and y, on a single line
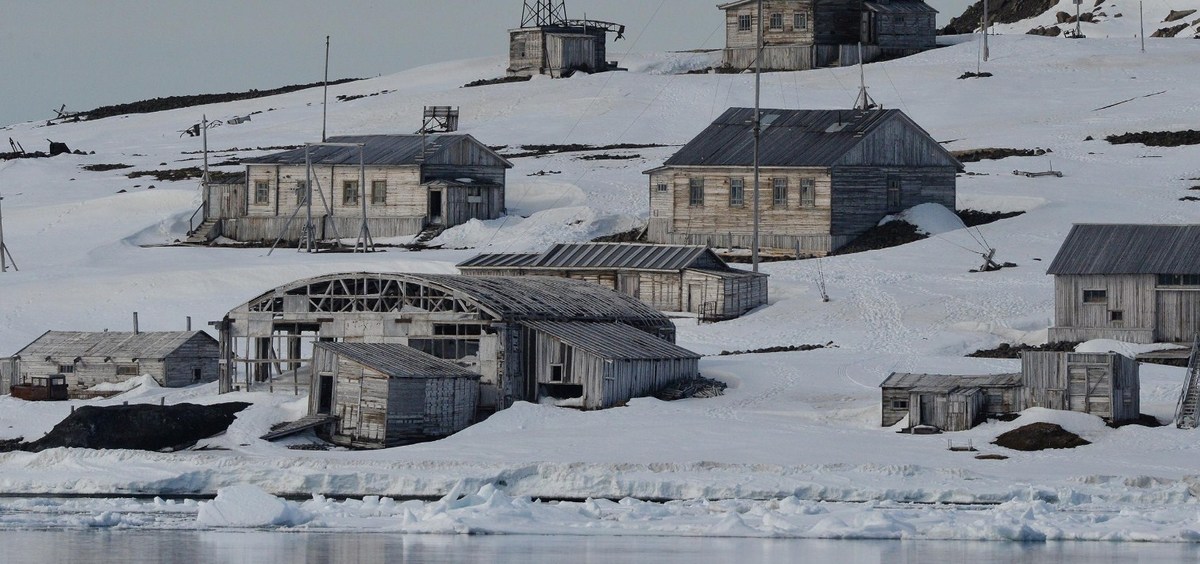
[(864, 101), (757, 131), (540, 13), (325, 95)]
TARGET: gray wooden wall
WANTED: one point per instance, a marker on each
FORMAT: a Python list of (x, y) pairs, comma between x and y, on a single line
[(860, 197), (1106, 385)]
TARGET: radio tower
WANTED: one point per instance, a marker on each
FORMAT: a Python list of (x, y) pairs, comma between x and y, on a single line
[(539, 13)]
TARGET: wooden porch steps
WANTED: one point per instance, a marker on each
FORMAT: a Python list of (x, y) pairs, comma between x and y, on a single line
[(1189, 398), (204, 232), (303, 424)]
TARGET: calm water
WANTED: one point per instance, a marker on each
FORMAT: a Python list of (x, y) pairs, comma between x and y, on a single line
[(258, 547)]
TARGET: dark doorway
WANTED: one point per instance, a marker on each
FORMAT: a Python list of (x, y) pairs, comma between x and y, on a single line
[(435, 206), (325, 395)]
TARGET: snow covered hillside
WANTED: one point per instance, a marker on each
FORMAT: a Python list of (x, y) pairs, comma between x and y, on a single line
[(797, 423)]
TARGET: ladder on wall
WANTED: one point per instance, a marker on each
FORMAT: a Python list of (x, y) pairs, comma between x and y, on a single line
[(1185, 412)]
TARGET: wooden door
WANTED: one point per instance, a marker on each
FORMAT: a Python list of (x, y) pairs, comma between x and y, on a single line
[(630, 284), (928, 408), (1177, 316)]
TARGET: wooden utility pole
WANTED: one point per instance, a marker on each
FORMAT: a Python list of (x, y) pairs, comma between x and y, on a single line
[(325, 96), (5, 256), (1141, 27), (984, 24), (757, 131)]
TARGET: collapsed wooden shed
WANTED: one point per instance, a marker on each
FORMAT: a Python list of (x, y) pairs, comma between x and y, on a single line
[(172, 358), (665, 277), (950, 403), (602, 365), (1103, 384), (385, 395)]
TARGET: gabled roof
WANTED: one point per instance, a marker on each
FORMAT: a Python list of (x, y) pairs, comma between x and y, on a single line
[(379, 150), (67, 345), (943, 383), (1129, 249), (632, 256), (790, 138), (613, 341), (397, 361)]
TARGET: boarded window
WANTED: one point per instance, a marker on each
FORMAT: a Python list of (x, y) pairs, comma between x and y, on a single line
[(349, 192), (744, 23), (1095, 296), (737, 192), (895, 199), (777, 21), (899, 404), (696, 192), (808, 192), (128, 370), (378, 191), (779, 192), (302, 191), (800, 20), (262, 192)]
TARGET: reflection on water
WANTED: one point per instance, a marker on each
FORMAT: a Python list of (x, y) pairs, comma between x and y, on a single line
[(257, 547)]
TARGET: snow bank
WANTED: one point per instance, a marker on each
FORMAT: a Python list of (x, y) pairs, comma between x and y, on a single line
[(930, 219), (1130, 350), (144, 381), (536, 232), (249, 506)]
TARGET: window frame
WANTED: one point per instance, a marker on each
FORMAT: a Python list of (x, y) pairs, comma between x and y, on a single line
[(350, 198), (737, 187), (661, 188), (1116, 316), (1095, 297), (779, 192), (66, 368), (745, 22), (1178, 280), (808, 192), (129, 370), (899, 404), (800, 21), (379, 192), (776, 17), (262, 192), (696, 192), (301, 192), (895, 194)]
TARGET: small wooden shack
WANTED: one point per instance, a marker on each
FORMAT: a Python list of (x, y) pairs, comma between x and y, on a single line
[(386, 395), (172, 358), (950, 403), (1103, 384), (1135, 283), (826, 177), (549, 43), (603, 365), (665, 277)]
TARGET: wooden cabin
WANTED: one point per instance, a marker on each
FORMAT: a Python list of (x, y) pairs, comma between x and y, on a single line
[(409, 183), (1103, 384), (172, 358), (474, 321), (665, 277), (386, 395), (551, 44), (1134, 283), (950, 403), (600, 365), (826, 177), (807, 34)]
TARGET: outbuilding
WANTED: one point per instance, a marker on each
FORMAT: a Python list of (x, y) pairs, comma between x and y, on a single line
[(385, 395), (666, 277), (172, 358), (950, 403), (1103, 384)]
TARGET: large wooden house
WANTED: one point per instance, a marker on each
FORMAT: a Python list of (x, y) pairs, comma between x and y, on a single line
[(172, 358), (666, 277), (1135, 283), (408, 183), (489, 325), (826, 177), (806, 34)]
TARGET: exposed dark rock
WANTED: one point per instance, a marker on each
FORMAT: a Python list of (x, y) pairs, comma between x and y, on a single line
[(1158, 138), (1052, 31), (176, 102), (138, 427), (540, 150), (1143, 420), (105, 167), (1039, 436), (1063, 17), (1178, 15), (172, 175), (781, 348), (1169, 31), (57, 148), (636, 235), (971, 218), (995, 153), (891, 234), (1006, 350), (974, 75), (491, 81), (999, 11), (991, 457)]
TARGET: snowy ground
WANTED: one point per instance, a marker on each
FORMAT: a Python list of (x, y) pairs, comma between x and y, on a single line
[(799, 430)]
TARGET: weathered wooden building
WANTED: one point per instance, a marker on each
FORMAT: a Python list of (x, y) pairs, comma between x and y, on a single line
[(1103, 384), (950, 403), (385, 395), (665, 277), (549, 43), (474, 321), (602, 365), (172, 358), (409, 183), (807, 34), (826, 177), (1135, 283)]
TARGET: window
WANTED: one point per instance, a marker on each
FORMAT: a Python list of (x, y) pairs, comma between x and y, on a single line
[(1116, 316), (800, 20), (777, 22), (349, 192), (474, 194), (808, 192), (457, 329), (779, 192), (895, 199), (900, 20), (66, 368), (737, 192), (301, 192), (262, 192), (899, 404), (1095, 296), (744, 22), (661, 188), (128, 370), (378, 191), (696, 192), (556, 373), (197, 374), (1179, 279)]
